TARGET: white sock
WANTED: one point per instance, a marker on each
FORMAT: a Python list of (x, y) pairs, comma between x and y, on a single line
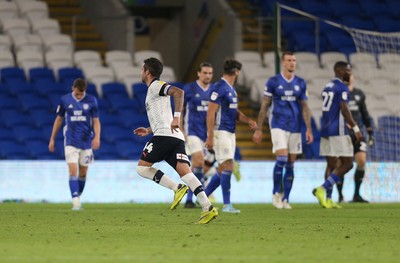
[(76, 202), (191, 180), (168, 183)]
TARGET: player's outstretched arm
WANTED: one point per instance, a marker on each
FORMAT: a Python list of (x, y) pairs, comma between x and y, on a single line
[(142, 131)]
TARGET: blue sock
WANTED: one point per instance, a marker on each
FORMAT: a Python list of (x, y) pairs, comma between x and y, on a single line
[(329, 183), (226, 186), (278, 169), (288, 180), (81, 183), (215, 181), (74, 186), (199, 173)]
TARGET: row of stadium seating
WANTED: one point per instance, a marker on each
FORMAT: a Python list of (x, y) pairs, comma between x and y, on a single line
[(373, 15)]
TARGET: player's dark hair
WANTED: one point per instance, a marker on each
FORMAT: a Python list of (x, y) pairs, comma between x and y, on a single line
[(154, 66), (287, 53), (340, 65), (80, 84), (204, 64), (231, 65)]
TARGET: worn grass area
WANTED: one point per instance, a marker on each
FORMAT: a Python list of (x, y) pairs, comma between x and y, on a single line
[(151, 233)]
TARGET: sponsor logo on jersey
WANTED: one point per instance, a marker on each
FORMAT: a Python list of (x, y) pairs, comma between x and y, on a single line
[(233, 106)]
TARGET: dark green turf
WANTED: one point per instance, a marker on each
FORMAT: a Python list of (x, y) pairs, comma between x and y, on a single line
[(152, 233)]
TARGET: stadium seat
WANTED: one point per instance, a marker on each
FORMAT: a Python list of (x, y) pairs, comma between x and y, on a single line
[(65, 75), (99, 76), (87, 59), (32, 101), (139, 93), (5, 43), (8, 10), (307, 59), (113, 134), (12, 150), (128, 150), (359, 59), (57, 60), (118, 59), (113, 88), (328, 59), (10, 74), (34, 10), (107, 151), (6, 134), (27, 59), (9, 102), (46, 27), (120, 102), (16, 87), (60, 43), (372, 8), (43, 73), (41, 117), (28, 42), (141, 55), (16, 26), (39, 150), (25, 133), (168, 74), (129, 75), (132, 119), (6, 59)]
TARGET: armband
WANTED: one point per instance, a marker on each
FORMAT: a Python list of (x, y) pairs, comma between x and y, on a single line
[(356, 129), (177, 114)]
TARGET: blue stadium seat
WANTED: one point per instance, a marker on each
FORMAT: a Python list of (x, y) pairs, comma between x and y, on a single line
[(39, 150), (46, 87), (107, 151), (16, 87), (394, 8), (33, 102), (139, 93), (6, 134), (109, 119), (128, 150), (344, 8), (133, 119), (9, 102), (91, 89), (12, 150), (12, 73), (358, 22), (113, 134), (15, 117), (122, 102), (43, 73), (68, 75), (42, 117), (25, 133), (385, 23), (113, 88)]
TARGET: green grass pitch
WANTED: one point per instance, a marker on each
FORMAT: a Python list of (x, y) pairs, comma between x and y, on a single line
[(152, 233)]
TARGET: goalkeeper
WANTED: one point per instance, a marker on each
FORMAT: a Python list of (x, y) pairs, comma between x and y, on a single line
[(359, 112)]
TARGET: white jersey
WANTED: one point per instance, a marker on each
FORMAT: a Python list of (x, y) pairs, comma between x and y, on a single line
[(159, 111)]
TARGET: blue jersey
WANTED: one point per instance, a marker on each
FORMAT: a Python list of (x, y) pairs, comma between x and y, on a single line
[(286, 98), (225, 95), (196, 106), (332, 122), (78, 114)]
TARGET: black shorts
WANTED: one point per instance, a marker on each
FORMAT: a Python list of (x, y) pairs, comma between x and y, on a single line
[(358, 146), (165, 148)]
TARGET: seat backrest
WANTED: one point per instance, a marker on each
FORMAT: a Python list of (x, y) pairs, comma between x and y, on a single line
[(118, 56), (46, 27), (16, 26), (6, 59), (58, 42), (248, 56), (29, 42), (34, 10), (141, 55), (90, 58)]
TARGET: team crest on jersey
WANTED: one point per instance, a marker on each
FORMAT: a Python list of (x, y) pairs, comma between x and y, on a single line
[(214, 95), (296, 87), (344, 95), (85, 106)]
